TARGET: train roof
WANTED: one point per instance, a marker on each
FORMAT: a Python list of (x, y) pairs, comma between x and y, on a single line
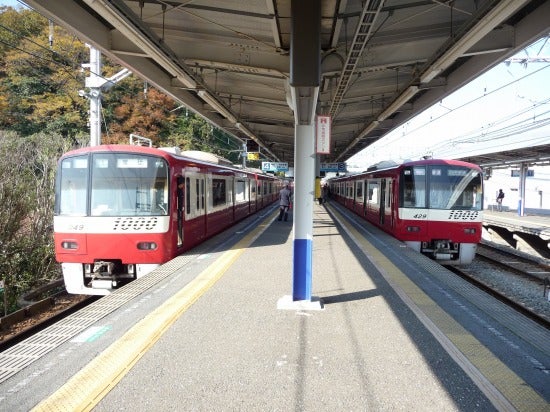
[(196, 156), (391, 165)]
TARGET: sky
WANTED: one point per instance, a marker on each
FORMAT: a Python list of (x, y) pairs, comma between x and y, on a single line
[(506, 108), (12, 3)]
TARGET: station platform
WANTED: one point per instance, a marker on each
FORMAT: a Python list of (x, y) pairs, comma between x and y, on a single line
[(537, 224), (529, 233), (206, 332)]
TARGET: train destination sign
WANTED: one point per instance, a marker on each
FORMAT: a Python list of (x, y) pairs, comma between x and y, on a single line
[(275, 166), (333, 167)]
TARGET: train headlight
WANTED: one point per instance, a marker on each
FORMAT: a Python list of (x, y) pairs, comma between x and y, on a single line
[(67, 244), (146, 245), (470, 230), (413, 229)]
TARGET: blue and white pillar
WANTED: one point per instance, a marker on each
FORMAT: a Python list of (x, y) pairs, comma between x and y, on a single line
[(305, 78), (304, 187)]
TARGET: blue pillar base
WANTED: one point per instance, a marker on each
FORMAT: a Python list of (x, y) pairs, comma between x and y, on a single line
[(301, 276), (287, 303)]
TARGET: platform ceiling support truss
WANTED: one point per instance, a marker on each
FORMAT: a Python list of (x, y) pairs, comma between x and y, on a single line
[(362, 35)]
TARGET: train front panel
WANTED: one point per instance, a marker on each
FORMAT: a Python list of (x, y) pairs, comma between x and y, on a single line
[(440, 209), (111, 219)]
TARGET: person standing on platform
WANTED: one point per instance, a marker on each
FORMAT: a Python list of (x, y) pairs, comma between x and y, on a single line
[(284, 202), (500, 196)]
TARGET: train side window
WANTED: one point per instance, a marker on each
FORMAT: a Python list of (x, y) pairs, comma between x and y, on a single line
[(373, 192), (218, 192), (188, 195), (240, 191), (389, 195), (359, 191), (202, 194), (253, 190), (197, 194)]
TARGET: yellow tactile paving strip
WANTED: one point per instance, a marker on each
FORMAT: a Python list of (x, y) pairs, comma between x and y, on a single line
[(506, 390), (85, 389)]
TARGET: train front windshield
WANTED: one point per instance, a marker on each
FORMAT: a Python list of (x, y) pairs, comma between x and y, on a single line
[(441, 187), (112, 184)]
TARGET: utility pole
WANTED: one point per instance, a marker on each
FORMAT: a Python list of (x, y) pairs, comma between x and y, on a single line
[(98, 84)]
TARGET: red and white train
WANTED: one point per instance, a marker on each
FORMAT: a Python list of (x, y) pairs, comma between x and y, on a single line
[(434, 206), (123, 210)]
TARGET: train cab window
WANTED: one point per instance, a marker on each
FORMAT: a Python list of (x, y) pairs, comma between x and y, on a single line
[(455, 187), (73, 186), (126, 184), (413, 187)]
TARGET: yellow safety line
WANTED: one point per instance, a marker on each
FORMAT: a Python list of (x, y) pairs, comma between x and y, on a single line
[(500, 384), (87, 387)]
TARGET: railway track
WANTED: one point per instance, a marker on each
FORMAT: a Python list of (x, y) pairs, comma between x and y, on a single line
[(518, 281), (38, 315), (522, 265)]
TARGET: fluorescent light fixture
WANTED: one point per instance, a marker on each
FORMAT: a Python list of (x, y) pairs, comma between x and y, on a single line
[(397, 103), (486, 24)]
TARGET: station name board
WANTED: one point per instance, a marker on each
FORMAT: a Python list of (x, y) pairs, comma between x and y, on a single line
[(333, 167), (275, 166)]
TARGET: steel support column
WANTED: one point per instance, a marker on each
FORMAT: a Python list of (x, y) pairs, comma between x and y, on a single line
[(524, 167)]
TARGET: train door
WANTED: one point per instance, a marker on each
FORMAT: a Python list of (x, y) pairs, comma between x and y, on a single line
[(259, 195), (359, 198), (365, 197), (202, 201), (389, 202), (180, 206), (355, 188), (382, 210), (253, 194), (195, 208)]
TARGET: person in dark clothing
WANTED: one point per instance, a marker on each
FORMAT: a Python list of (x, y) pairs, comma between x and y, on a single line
[(500, 196), (284, 202)]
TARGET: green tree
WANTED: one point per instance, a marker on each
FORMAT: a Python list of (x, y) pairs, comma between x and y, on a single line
[(39, 83), (27, 167)]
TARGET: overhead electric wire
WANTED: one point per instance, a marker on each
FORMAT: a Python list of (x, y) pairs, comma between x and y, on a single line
[(401, 136)]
